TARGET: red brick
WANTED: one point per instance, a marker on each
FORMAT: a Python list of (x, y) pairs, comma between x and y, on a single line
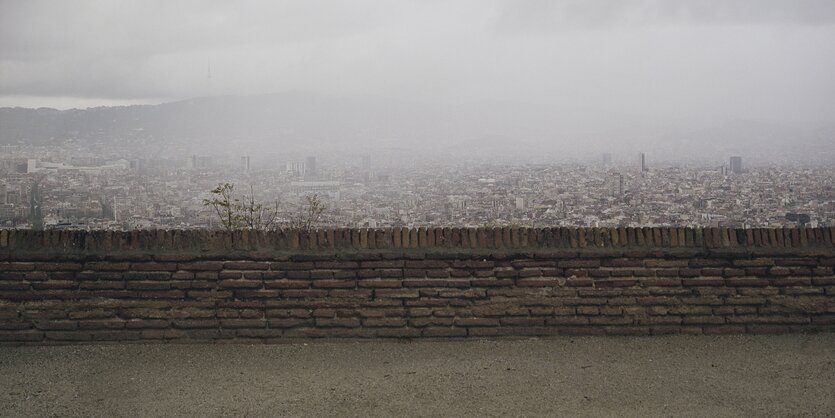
[(350, 293), (321, 274), (68, 336), (209, 294), (141, 285), (808, 262), (665, 282), (240, 284), (578, 263), (704, 281), (755, 262), (334, 284), (430, 321), (382, 264), (379, 283), (289, 323), (779, 271), (304, 293), (623, 262), (21, 336), (615, 283), (384, 322), (705, 319), (56, 325), (286, 284), (56, 266), (336, 264), (746, 281), (195, 323), (292, 265), (243, 323), (153, 267), (202, 265), (539, 282), (578, 282), (107, 266), (246, 265), (426, 264), (10, 285), (476, 322), (297, 274), (338, 322), (707, 262), (146, 323), (396, 293), (654, 263)]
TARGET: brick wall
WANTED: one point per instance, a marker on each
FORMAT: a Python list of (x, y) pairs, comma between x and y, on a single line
[(68, 286)]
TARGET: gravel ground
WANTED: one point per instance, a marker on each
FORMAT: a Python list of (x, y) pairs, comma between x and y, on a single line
[(608, 376)]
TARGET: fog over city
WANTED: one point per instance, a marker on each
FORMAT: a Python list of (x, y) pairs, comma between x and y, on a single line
[(125, 114)]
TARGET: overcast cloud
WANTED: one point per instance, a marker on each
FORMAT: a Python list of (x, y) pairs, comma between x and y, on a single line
[(761, 59)]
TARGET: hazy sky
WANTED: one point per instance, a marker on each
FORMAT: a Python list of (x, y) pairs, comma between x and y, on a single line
[(761, 59)]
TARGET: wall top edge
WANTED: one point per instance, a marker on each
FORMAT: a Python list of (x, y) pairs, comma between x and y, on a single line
[(471, 240)]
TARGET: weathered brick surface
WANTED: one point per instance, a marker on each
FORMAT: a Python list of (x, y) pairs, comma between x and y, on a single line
[(401, 283)]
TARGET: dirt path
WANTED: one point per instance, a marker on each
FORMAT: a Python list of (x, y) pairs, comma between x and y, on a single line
[(677, 375)]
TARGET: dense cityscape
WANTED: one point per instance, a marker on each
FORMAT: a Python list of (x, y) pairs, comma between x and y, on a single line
[(55, 187)]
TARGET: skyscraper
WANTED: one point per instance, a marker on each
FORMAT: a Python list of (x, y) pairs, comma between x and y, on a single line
[(245, 163), (367, 172), (607, 158), (736, 165), (620, 184), (310, 168), (643, 162)]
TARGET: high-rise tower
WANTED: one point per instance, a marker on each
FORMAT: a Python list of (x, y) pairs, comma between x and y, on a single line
[(736, 165), (311, 171)]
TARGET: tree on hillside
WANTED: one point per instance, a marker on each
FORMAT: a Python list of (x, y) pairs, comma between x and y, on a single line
[(257, 215), (245, 213), (309, 214)]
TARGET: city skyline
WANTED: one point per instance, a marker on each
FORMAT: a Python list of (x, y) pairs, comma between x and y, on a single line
[(368, 191)]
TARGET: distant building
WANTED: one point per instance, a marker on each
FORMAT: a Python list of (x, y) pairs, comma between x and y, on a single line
[(296, 168), (199, 161), (607, 158), (311, 171), (204, 162), (520, 203), (328, 188), (137, 164), (245, 163), (620, 184), (643, 162), (736, 165)]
